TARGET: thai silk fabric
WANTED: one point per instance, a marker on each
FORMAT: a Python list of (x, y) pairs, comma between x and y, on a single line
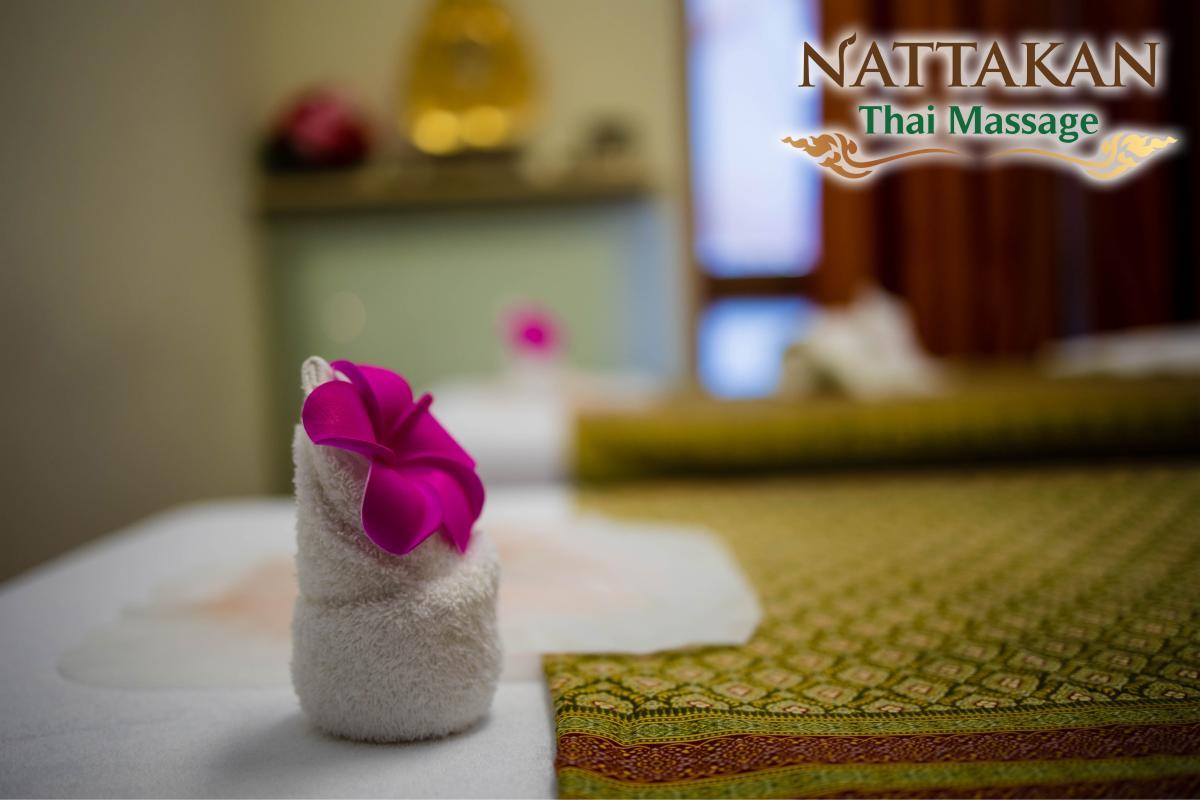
[(992, 415), (1001, 633)]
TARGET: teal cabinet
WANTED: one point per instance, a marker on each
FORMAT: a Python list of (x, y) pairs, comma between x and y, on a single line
[(422, 290)]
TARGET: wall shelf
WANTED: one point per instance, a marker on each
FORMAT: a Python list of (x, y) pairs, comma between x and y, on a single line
[(428, 186)]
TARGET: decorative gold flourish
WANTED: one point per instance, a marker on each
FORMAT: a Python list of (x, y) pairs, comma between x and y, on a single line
[(1117, 155), (837, 153)]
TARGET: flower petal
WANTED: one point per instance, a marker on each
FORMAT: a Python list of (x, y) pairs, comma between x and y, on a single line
[(390, 389), (425, 436), (386, 394), (334, 416), (459, 492), (464, 475), (456, 513), (399, 510), (363, 387)]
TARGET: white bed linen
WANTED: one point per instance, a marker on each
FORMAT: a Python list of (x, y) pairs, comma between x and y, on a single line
[(60, 738), (105, 691)]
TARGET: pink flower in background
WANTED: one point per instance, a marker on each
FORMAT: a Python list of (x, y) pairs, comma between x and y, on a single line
[(534, 331), (420, 479)]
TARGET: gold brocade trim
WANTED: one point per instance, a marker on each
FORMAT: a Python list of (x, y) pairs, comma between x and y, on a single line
[(678, 726), (1141, 777)]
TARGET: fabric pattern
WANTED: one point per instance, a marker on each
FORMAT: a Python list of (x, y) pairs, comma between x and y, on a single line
[(996, 633), (993, 415)]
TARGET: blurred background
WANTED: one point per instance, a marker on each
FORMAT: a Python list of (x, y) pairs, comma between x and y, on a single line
[(573, 222)]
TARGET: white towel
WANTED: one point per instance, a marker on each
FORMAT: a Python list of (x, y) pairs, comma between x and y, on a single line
[(867, 351), (385, 648)]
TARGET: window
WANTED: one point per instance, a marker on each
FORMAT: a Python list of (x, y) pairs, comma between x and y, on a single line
[(741, 341), (756, 208)]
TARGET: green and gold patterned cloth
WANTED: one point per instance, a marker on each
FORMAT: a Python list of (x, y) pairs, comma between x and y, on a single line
[(999, 633), (996, 414)]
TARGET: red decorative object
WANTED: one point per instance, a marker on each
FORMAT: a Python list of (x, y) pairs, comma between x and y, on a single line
[(321, 129)]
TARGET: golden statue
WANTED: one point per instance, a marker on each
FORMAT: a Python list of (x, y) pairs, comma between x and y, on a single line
[(470, 88)]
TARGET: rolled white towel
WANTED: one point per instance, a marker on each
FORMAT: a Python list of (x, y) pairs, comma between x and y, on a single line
[(867, 351), (385, 647)]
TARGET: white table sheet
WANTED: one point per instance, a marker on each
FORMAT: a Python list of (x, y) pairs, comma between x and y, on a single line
[(113, 684), (60, 738)]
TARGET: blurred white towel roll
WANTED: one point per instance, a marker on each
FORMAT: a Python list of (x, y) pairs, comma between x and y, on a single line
[(867, 351)]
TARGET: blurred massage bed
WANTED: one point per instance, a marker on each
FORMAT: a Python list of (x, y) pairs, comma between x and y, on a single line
[(1027, 629)]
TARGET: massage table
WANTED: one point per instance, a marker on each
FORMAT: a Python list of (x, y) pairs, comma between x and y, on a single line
[(1000, 626)]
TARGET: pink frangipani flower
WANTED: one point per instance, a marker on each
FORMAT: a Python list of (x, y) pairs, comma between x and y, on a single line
[(533, 331), (420, 480)]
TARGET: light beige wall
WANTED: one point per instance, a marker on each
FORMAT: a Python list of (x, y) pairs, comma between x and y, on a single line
[(130, 266), (431, 284), (595, 57), (129, 302)]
